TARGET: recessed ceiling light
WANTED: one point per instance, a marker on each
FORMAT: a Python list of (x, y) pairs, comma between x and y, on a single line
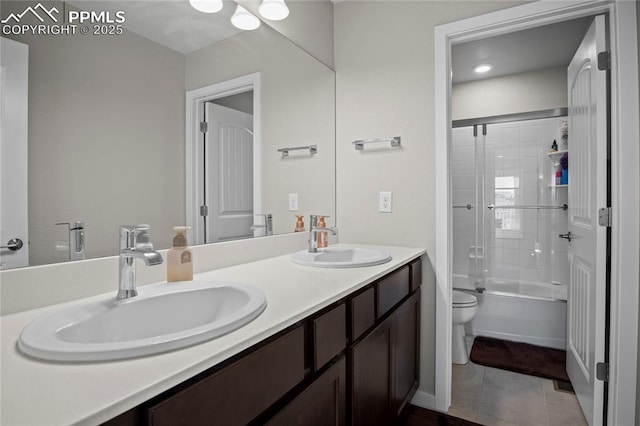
[(482, 68)]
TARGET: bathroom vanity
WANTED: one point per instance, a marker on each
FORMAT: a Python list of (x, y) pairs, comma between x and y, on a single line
[(333, 346)]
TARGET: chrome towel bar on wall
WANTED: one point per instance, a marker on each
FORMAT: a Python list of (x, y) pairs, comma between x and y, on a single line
[(313, 149), (394, 141)]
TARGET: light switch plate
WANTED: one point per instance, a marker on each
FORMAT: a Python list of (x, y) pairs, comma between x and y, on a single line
[(293, 202)]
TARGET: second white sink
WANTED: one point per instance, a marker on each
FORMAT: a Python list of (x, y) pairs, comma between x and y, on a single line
[(341, 257), (162, 317)]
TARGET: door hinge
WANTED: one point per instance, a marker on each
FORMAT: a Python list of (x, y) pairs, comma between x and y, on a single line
[(604, 216), (604, 60), (204, 211), (602, 371), (204, 126)]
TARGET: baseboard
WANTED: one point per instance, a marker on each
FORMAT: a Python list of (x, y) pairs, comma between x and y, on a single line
[(424, 400)]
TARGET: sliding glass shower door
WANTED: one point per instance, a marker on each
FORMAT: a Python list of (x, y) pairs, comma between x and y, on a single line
[(507, 208)]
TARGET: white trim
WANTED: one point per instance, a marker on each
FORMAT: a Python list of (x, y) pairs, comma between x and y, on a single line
[(625, 183), (423, 399), (195, 100)]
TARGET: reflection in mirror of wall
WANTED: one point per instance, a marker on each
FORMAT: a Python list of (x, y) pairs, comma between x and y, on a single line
[(106, 120)]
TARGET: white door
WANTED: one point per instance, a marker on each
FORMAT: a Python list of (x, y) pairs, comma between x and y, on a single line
[(14, 71), (587, 248), (228, 173)]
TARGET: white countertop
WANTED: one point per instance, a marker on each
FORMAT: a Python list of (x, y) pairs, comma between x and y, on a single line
[(35, 392)]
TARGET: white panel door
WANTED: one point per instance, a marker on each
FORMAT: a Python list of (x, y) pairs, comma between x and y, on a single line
[(587, 248), (229, 173), (14, 221)]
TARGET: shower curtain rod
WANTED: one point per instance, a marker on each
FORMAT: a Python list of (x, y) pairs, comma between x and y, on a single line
[(506, 118)]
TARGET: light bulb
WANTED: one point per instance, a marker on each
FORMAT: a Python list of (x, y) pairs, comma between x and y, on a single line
[(274, 10), (244, 20), (206, 6)]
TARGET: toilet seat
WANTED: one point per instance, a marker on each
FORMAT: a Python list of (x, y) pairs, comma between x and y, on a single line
[(463, 300)]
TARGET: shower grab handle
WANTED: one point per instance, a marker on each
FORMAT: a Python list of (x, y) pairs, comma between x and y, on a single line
[(467, 206), (559, 207)]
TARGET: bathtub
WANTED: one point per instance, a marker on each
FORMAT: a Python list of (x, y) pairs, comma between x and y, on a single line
[(528, 312)]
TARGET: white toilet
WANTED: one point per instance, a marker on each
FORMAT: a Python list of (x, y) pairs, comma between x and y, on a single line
[(465, 307)]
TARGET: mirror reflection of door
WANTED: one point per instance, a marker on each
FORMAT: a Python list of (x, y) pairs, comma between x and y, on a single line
[(13, 152), (228, 169)]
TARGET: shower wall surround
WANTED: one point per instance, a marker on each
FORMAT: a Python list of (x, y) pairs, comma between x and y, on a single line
[(509, 166)]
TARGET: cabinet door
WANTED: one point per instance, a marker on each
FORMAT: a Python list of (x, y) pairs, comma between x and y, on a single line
[(238, 393), (371, 378), (406, 342), (322, 403)]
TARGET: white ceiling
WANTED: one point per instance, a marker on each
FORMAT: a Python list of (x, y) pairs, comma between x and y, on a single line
[(172, 23), (533, 49)]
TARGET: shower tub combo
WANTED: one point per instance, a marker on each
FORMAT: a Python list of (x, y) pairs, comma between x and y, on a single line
[(527, 312)]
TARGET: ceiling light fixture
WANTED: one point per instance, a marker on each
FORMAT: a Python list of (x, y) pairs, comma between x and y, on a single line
[(207, 6), (482, 68), (244, 20), (274, 10)]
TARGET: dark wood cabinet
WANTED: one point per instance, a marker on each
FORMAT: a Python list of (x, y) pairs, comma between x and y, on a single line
[(385, 366), (322, 403), (406, 343), (370, 366), (238, 393), (355, 362)]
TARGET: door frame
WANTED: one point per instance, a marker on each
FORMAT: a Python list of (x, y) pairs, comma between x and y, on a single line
[(625, 183), (195, 100)]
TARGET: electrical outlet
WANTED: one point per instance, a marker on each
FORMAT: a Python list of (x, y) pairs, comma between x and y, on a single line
[(386, 202), (293, 202)]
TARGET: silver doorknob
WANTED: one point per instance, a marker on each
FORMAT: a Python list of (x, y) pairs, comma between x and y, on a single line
[(566, 236), (13, 244)]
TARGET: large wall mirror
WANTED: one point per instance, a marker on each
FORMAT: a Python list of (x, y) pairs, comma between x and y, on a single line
[(108, 126)]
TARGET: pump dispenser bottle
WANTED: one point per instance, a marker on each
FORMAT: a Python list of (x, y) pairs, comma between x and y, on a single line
[(299, 223), (323, 237), (179, 259)]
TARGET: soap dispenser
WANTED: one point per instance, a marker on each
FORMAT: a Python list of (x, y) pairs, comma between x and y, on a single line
[(323, 237), (179, 257), (299, 223)]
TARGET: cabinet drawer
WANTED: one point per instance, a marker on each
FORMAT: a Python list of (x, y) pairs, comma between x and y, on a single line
[(253, 383), (329, 335), (363, 313), (392, 289), (416, 274)]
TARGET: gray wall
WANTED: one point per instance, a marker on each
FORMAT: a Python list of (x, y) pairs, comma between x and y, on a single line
[(524, 92), (384, 55)]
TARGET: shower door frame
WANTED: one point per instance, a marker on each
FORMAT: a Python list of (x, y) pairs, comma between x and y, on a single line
[(625, 229)]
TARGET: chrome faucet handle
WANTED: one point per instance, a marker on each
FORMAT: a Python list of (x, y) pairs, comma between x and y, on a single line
[(134, 236)]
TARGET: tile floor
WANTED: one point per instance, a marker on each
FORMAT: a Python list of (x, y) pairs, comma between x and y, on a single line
[(495, 397)]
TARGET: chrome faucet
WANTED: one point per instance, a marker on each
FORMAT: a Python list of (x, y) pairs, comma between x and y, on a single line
[(268, 224), (313, 233), (134, 243)]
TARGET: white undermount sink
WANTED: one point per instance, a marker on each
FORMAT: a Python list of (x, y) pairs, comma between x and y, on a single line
[(162, 317), (341, 257)]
